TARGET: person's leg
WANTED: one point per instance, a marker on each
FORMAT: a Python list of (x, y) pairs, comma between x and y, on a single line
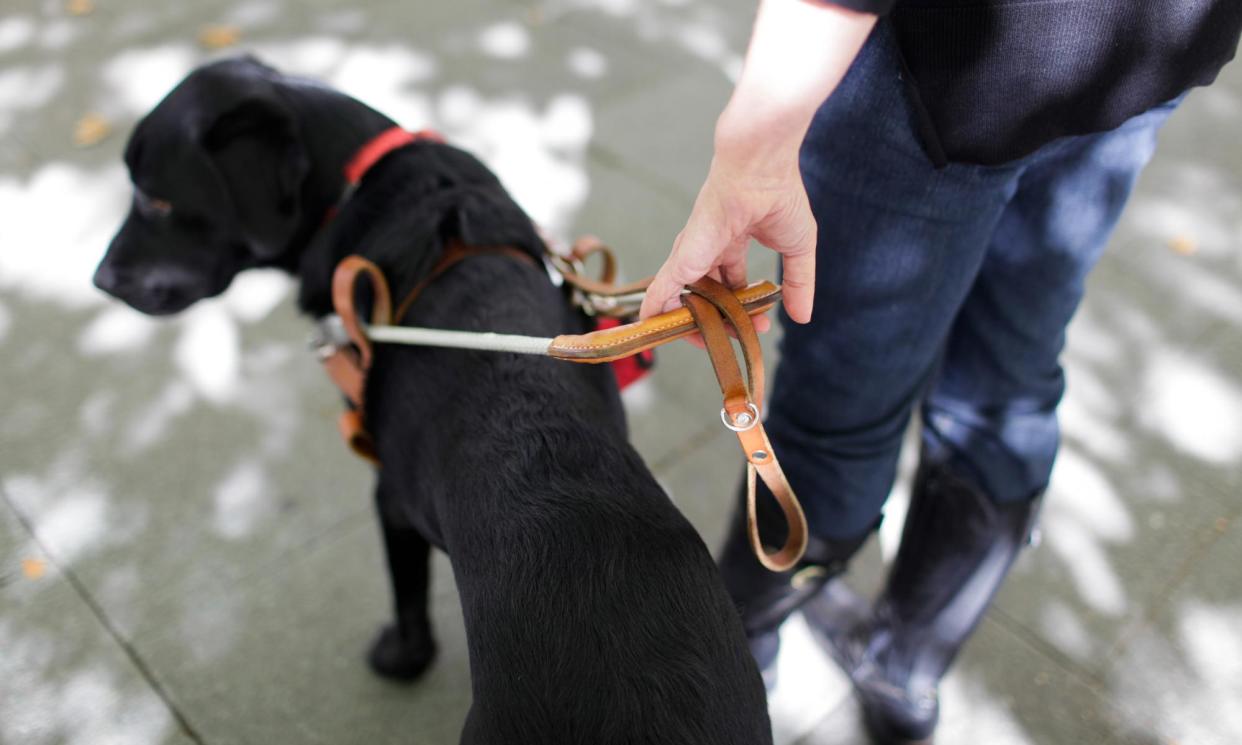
[(992, 410), (990, 432), (900, 244)]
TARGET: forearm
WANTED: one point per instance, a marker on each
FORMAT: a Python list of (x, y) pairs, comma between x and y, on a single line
[(799, 51)]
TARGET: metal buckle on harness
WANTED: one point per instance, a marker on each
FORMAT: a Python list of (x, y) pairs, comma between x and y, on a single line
[(554, 274), (559, 265), (614, 305), (328, 336)]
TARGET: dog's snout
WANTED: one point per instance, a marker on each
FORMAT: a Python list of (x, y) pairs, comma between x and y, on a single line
[(152, 292), (107, 278)]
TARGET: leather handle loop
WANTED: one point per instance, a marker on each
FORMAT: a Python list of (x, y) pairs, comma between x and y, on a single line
[(606, 286), (788, 555), (344, 284), (632, 338), (586, 247), (737, 399), (709, 302), (727, 304)]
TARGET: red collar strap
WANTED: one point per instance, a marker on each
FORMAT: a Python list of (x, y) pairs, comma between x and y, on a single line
[(373, 151), (378, 147)]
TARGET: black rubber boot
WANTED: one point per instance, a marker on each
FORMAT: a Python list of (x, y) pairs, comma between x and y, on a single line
[(765, 599), (956, 548)]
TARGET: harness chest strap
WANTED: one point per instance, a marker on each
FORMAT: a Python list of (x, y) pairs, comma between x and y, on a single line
[(347, 364)]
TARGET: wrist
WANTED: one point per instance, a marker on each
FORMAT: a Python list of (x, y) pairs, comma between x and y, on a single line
[(799, 52), (760, 138)]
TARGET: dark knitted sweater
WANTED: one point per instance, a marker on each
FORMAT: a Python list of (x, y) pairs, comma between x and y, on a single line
[(996, 80)]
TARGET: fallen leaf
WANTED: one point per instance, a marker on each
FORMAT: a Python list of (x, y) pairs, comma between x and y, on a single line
[(34, 568), (1184, 245), (91, 130), (80, 7), (219, 37)]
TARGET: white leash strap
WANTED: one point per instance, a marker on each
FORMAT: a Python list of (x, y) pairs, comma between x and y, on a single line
[(481, 340), (330, 335)]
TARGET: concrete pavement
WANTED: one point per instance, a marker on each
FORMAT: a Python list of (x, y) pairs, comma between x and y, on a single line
[(188, 555)]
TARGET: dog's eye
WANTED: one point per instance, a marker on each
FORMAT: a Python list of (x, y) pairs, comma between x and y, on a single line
[(149, 206)]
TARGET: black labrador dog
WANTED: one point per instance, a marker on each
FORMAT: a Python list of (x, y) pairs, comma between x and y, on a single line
[(593, 611)]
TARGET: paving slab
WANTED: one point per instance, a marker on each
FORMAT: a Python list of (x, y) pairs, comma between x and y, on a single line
[(1187, 205), (1113, 536), (841, 726), (27, 573), (280, 658), (63, 677), (14, 157), (703, 484), (149, 480), (689, 33), (1000, 691), (683, 108), (1178, 672), (1168, 294)]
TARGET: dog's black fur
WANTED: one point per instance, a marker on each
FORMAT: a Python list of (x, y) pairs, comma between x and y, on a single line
[(593, 611)]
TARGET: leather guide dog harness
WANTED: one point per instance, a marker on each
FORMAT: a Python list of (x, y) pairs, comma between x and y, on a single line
[(344, 344)]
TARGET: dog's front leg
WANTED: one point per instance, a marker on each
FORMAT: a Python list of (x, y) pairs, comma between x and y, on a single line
[(404, 649)]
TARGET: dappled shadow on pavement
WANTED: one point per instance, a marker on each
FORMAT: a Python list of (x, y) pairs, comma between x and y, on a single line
[(207, 546)]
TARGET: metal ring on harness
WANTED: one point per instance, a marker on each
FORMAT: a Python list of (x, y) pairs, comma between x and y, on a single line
[(731, 422)]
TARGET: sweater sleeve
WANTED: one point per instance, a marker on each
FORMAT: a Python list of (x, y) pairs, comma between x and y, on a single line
[(878, 7)]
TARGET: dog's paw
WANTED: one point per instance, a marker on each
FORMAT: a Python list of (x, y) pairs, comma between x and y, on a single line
[(396, 657)]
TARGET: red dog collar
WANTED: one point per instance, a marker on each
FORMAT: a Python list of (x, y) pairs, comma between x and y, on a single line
[(380, 146), (373, 151)]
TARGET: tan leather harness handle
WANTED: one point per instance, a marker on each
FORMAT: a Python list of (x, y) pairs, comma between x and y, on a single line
[(708, 301), (708, 304), (622, 341)]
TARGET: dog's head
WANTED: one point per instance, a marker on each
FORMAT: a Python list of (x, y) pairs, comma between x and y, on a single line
[(217, 169)]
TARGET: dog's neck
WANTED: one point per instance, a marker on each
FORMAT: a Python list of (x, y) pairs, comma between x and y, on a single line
[(411, 203), (334, 128)]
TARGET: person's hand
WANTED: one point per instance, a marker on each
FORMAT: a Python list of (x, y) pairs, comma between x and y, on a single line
[(798, 53), (743, 198)]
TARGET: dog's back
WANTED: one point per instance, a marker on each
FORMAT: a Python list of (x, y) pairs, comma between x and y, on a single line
[(594, 612)]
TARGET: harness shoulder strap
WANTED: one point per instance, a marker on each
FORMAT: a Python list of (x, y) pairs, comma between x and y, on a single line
[(346, 365)]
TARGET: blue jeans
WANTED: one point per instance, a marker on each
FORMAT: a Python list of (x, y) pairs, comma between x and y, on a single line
[(948, 288)]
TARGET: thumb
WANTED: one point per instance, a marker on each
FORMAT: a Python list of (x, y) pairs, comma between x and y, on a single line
[(797, 245)]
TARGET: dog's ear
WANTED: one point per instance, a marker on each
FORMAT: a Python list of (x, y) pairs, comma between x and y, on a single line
[(257, 148)]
